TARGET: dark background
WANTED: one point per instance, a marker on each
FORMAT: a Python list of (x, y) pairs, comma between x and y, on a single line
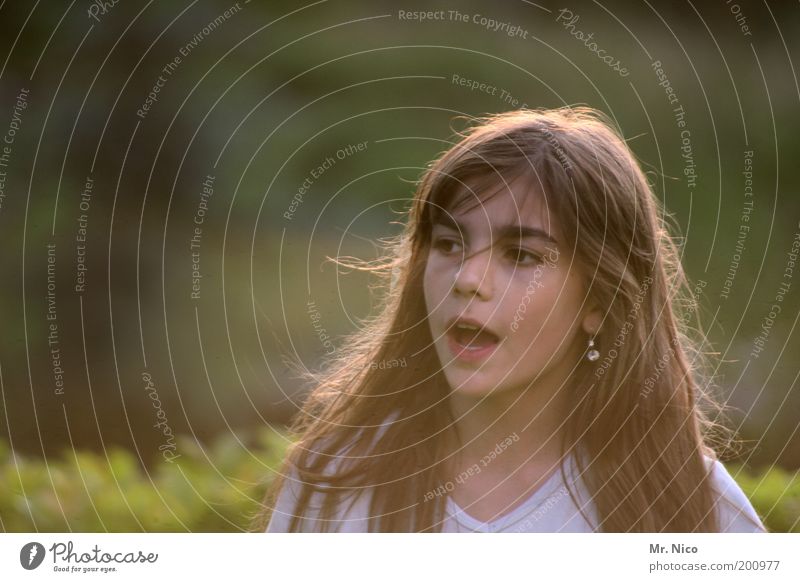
[(261, 101)]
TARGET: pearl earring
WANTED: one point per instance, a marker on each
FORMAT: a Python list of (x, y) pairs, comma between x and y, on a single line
[(592, 354)]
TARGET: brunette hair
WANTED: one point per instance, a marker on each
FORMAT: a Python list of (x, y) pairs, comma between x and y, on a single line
[(642, 416)]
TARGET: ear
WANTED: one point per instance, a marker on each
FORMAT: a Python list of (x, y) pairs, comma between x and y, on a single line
[(592, 320)]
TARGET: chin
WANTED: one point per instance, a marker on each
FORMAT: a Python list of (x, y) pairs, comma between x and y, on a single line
[(476, 385)]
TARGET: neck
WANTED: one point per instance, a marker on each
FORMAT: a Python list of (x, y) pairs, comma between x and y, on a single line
[(511, 429)]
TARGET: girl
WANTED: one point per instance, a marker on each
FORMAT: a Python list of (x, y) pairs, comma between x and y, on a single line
[(550, 384)]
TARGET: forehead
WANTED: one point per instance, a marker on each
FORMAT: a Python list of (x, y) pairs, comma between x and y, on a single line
[(499, 203)]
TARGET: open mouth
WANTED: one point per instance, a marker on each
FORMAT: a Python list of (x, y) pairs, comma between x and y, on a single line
[(473, 338), (471, 343)]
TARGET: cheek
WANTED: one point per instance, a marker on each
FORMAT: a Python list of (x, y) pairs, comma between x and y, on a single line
[(431, 283), (542, 305), (426, 292)]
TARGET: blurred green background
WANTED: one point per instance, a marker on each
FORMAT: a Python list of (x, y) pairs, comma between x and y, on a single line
[(172, 405)]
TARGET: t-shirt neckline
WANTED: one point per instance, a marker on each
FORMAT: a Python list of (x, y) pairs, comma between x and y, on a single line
[(538, 497)]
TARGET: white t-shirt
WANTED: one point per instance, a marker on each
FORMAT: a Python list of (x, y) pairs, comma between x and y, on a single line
[(549, 509)]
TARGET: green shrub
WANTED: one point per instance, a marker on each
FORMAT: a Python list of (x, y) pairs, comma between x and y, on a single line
[(774, 493), (219, 489)]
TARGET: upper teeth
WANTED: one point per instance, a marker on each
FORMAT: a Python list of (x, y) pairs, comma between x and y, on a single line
[(468, 326)]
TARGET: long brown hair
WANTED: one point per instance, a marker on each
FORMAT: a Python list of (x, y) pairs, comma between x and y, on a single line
[(640, 421)]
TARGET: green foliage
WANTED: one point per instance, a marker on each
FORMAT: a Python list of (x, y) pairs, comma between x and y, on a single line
[(775, 495), (220, 488), (214, 489)]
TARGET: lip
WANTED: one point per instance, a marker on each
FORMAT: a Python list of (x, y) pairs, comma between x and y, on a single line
[(466, 354), (454, 321), (463, 353)]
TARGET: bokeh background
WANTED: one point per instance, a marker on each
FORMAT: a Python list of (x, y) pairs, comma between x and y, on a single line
[(158, 256)]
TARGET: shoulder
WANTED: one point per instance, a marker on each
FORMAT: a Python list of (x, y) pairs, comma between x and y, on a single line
[(285, 503), (352, 513), (736, 513)]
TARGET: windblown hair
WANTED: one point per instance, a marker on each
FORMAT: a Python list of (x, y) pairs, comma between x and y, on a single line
[(641, 419)]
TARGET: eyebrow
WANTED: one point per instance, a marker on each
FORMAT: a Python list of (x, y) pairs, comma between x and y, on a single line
[(507, 231)]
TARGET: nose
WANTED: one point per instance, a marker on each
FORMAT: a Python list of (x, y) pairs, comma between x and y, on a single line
[(474, 275)]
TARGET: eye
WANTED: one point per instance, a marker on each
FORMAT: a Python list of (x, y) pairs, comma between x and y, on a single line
[(522, 256), (445, 245)]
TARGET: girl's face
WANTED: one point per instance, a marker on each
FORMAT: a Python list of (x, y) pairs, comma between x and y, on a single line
[(503, 266)]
